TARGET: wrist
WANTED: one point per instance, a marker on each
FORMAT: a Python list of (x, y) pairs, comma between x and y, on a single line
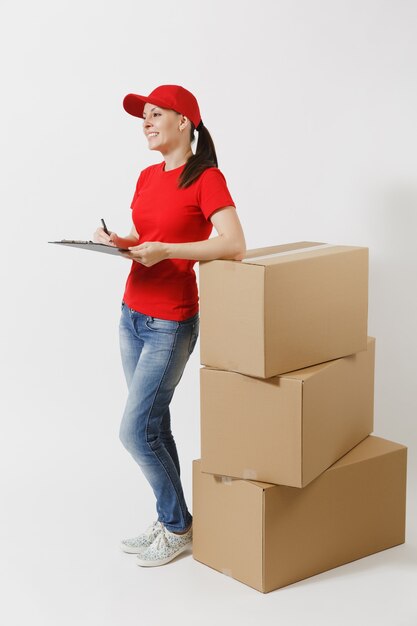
[(126, 242), (116, 240), (169, 250)]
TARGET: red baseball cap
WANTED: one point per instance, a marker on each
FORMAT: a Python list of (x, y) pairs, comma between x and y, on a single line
[(169, 97)]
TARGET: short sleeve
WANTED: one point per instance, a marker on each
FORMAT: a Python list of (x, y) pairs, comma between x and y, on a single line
[(213, 192)]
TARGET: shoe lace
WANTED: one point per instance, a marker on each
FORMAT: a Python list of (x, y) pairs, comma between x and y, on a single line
[(161, 539), (152, 527)]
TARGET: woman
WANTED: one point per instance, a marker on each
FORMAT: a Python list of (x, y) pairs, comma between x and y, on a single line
[(174, 207)]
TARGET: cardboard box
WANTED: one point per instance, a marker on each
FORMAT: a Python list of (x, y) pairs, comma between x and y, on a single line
[(290, 428), (283, 308), (269, 536)]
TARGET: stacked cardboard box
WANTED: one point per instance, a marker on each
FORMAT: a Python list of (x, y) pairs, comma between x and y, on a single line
[(291, 482)]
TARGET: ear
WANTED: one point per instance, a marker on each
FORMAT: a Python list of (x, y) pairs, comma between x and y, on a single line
[(184, 122)]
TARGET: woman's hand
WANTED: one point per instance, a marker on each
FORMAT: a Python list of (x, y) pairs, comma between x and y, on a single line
[(148, 253), (100, 236)]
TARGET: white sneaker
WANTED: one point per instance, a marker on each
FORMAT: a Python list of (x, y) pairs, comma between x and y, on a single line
[(165, 547), (141, 542)]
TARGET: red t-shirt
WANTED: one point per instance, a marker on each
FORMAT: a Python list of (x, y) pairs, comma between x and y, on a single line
[(162, 212)]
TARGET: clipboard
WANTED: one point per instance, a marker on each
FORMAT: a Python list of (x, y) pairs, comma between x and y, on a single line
[(91, 245)]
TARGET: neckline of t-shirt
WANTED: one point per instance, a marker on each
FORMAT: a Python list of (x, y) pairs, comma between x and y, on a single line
[(175, 169)]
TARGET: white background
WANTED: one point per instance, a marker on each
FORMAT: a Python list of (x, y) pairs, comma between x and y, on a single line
[(311, 105)]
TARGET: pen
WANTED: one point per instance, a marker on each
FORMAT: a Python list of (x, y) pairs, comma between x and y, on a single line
[(105, 227)]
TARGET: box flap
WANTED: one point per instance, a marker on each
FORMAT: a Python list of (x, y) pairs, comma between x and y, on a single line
[(370, 447), (301, 375), (298, 252), (254, 254), (307, 372)]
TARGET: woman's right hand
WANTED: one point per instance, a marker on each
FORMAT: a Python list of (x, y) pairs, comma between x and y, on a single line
[(100, 236)]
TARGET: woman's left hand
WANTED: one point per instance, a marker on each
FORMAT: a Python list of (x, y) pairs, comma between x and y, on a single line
[(148, 253)]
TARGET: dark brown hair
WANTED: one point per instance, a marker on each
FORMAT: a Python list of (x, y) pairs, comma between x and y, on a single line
[(204, 157)]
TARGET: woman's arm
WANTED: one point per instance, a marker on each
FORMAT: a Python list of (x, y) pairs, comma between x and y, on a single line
[(230, 243), (132, 239), (112, 239)]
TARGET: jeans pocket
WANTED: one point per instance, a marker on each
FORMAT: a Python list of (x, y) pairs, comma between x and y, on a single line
[(160, 325)]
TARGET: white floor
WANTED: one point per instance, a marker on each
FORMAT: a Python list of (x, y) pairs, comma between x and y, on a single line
[(61, 564)]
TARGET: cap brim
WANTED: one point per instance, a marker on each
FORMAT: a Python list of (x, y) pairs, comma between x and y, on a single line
[(134, 104)]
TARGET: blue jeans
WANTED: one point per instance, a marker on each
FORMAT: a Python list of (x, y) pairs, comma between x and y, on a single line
[(154, 354)]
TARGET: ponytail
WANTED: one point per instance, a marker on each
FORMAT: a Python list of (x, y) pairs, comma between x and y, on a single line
[(204, 157)]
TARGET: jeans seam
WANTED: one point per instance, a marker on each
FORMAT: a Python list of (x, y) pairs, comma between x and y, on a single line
[(147, 426)]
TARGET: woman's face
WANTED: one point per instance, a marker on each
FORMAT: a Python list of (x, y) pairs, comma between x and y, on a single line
[(162, 127)]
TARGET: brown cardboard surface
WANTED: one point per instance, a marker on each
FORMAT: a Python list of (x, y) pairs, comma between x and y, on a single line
[(280, 309), (269, 536), (290, 428)]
